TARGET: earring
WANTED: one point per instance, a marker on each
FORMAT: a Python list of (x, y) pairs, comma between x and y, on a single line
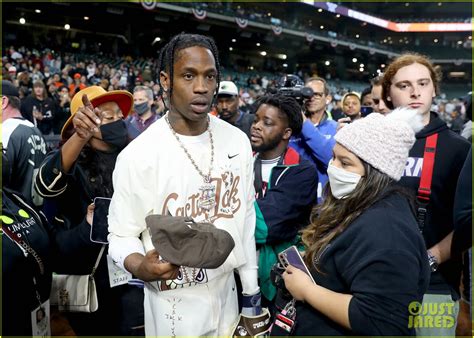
[(389, 98)]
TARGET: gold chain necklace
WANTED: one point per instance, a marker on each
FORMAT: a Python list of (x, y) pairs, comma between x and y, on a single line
[(207, 199)]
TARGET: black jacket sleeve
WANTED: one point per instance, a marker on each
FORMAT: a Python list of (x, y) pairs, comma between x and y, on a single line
[(69, 228), (462, 237), (374, 309), (76, 253), (385, 267), (51, 180)]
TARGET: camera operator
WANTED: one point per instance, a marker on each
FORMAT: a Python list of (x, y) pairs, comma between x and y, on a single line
[(316, 140)]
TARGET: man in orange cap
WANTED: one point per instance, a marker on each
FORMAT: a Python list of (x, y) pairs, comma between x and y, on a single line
[(77, 85), (69, 180)]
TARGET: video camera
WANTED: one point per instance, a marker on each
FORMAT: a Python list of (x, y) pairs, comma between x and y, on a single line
[(292, 85)]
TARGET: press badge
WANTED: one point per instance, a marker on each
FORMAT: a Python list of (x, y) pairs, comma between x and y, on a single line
[(117, 276), (40, 321)]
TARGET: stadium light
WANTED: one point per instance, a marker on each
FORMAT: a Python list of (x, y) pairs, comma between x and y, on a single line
[(361, 70), (457, 74), (382, 65), (285, 65), (86, 18), (338, 15), (469, 37), (322, 27), (258, 44), (234, 40), (282, 56), (38, 11), (459, 42), (263, 53), (354, 60), (327, 63), (231, 49), (157, 39), (22, 21), (357, 36), (361, 65), (320, 10), (67, 27)]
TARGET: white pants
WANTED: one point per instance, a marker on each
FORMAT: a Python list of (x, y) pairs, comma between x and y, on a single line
[(208, 309)]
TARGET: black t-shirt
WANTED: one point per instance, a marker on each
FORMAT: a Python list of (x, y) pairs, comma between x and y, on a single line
[(244, 122)]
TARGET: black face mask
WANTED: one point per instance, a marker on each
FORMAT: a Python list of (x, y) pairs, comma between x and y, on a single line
[(141, 108), (115, 134)]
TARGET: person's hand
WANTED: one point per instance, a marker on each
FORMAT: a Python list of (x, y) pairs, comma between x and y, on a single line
[(37, 115), (86, 121), (65, 98), (304, 116), (90, 213), (296, 282), (342, 122), (152, 268)]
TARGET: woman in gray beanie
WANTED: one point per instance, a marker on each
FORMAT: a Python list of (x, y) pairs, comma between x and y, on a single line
[(363, 246)]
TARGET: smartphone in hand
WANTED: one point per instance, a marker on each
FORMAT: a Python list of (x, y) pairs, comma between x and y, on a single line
[(366, 110), (100, 224), (291, 256)]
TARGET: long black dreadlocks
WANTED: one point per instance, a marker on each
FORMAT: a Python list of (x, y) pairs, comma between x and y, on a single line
[(182, 41)]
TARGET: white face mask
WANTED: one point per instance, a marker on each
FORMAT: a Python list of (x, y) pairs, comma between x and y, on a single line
[(342, 182)]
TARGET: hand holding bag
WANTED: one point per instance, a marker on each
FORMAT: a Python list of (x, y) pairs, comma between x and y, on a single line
[(76, 293)]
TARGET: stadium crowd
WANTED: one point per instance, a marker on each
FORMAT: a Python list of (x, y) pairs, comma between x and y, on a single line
[(63, 73)]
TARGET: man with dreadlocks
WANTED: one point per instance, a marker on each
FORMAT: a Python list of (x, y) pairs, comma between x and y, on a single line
[(202, 169)]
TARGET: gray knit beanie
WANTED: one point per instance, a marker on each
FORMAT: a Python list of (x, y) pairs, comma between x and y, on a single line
[(383, 141)]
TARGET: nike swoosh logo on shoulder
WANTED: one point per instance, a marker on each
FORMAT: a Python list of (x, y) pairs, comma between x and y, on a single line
[(231, 157)]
